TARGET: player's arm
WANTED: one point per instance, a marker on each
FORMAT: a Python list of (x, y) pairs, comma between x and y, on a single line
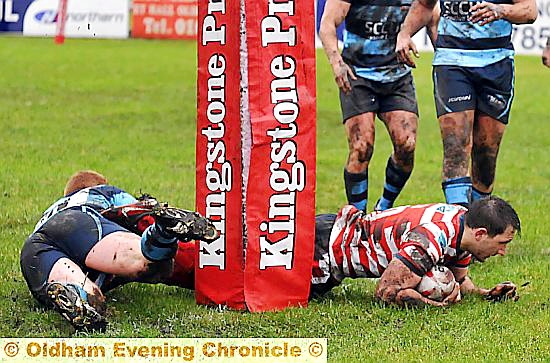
[(431, 28), (420, 15), (466, 284), (520, 12), (502, 291), (397, 286), (334, 14), (418, 255)]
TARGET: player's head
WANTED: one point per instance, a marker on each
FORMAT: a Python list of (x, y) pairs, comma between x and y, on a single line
[(493, 214), (83, 179), (492, 223)]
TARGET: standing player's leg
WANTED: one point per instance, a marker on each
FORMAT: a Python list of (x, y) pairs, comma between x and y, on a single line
[(456, 134), (399, 111), (358, 112), (488, 134), (455, 100), (495, 84), (360, 134), (402, 126)]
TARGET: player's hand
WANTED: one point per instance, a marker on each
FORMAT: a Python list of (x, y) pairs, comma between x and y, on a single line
[(403, 48), (503, 291), (342, 74), (454, 297), (484, 13), (546, 56)]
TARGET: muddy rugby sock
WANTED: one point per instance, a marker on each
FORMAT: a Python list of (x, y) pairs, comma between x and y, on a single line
[(156, 245), (357, 187), (396, 178), (458, 190)]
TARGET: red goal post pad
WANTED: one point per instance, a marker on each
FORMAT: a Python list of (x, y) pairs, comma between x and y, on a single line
[(280, 201), (219, 268), (262, 261)]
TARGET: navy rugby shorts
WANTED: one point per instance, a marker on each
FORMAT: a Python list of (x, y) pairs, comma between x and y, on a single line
[(488, 89), (321, 280), (374, 96), (71, 234)]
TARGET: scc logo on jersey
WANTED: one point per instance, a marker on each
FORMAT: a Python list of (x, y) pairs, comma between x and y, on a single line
[(46, 16), (457, 10), (381, 28)]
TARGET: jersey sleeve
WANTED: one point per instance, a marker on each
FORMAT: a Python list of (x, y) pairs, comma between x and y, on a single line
[(122, 198), (423, 247), (462, 260), (116, 197)]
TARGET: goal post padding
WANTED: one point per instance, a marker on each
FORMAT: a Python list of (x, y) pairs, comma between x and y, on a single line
[(269, 257), (280, 200), (219, 274)]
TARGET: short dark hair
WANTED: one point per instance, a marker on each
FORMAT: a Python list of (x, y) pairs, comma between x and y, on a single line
[(492, 213)]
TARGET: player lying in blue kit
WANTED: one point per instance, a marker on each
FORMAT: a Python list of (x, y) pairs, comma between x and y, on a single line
[(85, 244)]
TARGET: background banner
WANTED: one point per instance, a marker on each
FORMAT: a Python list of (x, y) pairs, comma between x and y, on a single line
[(12, 13), (166, 19), (280, 207), (220, 264), (85, 18)]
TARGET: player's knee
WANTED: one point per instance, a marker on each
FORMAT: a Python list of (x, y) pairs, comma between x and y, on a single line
[(361, 151)]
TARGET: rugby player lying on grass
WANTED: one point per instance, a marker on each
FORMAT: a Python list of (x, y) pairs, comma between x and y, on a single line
[(399, 246), (84, 245)]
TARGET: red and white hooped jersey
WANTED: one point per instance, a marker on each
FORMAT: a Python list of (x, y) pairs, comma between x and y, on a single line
[(363, 245)]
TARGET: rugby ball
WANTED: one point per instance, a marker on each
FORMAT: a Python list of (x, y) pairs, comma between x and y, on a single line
[(437, 284)]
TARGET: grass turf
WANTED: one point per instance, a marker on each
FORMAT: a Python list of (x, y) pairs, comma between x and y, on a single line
[(127, 109)]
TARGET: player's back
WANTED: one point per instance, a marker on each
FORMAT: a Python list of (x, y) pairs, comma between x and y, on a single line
[(98, 197), (388, 228), (363, 245)]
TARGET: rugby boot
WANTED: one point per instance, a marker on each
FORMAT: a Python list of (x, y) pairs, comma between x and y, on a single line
[(185, 225), (71, 301)]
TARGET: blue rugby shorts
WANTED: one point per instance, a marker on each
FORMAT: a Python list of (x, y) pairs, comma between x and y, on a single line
[(488, 89), (71, 234)]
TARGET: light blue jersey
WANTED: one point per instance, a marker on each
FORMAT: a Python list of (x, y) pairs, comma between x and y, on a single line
[(463, 43), (370, 37), (98, 197)]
